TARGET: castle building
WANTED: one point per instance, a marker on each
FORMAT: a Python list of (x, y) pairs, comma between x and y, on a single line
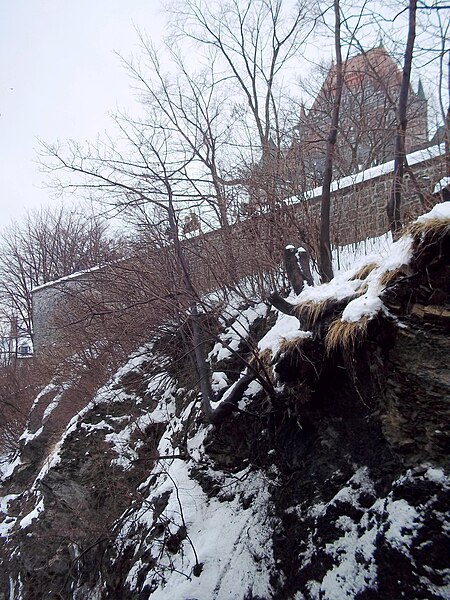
[(367, 123)]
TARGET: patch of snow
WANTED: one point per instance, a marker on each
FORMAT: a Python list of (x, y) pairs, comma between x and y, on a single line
[(402, 518), (351, 575), (121, 444), (354, 568), (343, 286), (7, 522), (441, 185), (51, 461), (439, 211), (7, 468), (46, 390), (27, 436), (228, 392), (195, 444), (400, 253), (244, 554), (219, 381), (31, 516), (338, 288), (359, 253), (285, 328), (101, 425), (237, 331), (134, 362), (367, 305), (51, 407), (436, 475), (253, 389), (72, 277), (4, 501)]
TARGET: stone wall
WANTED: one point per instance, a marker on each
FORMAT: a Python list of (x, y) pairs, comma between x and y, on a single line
[(252, 247), (358, 207)]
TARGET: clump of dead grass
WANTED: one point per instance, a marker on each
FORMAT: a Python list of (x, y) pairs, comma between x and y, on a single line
[(361, 290), (311, 312), (345, 335), (435, 228), (265, 358), (364, 271), (289, 346), (262, 362), (388, 277)]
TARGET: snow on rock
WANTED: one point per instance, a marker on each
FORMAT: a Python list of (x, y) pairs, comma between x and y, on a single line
[(286, 328), (367, 305), (389, 523), (34, 514), (400, 254), (236, 331), (233, 545), (219, 381), (7, 466), (338, 288), (402, 523), (439, 211), (397, 255)]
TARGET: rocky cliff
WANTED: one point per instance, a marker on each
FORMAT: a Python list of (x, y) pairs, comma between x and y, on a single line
[(328, 483)]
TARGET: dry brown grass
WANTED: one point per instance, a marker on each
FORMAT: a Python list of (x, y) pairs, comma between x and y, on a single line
[(361, 290), (345, 335), (388, 277), (311, 311), (434, 227), (364, 271), (265, 358), (265, 366), (288, 346), (262, 362)]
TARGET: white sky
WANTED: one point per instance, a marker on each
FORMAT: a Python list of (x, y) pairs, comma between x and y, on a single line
[(59, 77)]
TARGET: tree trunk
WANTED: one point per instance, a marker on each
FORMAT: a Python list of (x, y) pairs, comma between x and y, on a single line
[(296, 264), (325, 266), (292, 267), (226, 407), (394, 204), (447, 124)]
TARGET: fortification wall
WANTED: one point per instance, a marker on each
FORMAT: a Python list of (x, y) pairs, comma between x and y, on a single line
[(252, 247)]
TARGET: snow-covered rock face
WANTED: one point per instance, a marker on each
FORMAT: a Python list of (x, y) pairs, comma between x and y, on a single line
[(333, 487)]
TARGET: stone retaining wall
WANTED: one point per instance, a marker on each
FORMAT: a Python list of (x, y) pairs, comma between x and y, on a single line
[(253, 247)]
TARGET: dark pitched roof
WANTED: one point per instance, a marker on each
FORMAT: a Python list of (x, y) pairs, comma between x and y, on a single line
[(376, 65)]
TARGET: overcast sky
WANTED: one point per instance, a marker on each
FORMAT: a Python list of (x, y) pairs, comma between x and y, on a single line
[(59, 77)]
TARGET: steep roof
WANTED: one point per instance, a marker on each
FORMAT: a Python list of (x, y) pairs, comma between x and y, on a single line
[(375, 65)]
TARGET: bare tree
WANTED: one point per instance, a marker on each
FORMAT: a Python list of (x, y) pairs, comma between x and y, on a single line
[(154, 178), (255, 41), (326, 269), (393, 207), (48, 245), (189, 152)]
